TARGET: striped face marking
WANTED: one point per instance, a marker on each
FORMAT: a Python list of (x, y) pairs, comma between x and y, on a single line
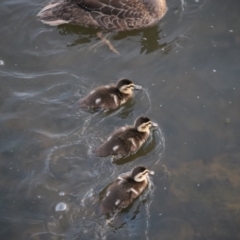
[(141, 176), (145, 127), (127, 89)]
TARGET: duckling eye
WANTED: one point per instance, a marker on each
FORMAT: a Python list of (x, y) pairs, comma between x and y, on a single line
[(149, 124), (130, 87), (125, 88)]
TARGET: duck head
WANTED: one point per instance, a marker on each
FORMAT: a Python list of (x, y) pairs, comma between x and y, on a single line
[(126, 86), (140, 173), (144, 124)]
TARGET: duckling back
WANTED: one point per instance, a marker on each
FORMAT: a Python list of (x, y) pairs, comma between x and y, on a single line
[(123, 142), (105, 97), (121, 193), (112, 147), (114, 198)]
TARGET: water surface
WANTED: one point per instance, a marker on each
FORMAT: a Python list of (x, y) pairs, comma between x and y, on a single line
[(189, 66)]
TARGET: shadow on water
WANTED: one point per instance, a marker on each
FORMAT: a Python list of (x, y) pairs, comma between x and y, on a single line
[(149, 38)]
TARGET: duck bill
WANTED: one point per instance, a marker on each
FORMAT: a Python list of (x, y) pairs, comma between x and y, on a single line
[(137, 87), (154, 125), (151, 172)]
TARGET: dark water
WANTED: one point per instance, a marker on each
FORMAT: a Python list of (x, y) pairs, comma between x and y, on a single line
[(189, 66)]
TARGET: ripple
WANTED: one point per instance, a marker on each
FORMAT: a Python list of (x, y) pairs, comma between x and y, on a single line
[(29, 75), (191, 7), (184, 41)]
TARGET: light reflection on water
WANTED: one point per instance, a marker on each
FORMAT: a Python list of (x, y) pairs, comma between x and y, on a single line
[(188, 65)]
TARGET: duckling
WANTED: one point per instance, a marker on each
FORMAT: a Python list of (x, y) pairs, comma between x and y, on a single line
[(125, 189), (109, 97), (117, 15), (126, 140)]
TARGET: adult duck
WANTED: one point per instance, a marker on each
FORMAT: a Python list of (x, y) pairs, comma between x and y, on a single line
[(109, 15)]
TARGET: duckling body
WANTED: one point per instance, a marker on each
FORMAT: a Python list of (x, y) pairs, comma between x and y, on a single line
[(109, 97), (126, 140), (125, 189), (109, 15)]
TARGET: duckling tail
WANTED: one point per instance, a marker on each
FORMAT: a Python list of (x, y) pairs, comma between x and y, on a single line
[(100, 153), (48, 14), (104, 150)]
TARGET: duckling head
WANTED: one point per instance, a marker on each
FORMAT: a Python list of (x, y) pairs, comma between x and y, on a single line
[(126, 86), (140, 173), (144, 124)]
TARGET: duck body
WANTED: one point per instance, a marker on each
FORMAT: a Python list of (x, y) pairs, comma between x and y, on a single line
[(125, 189), (108, 15), (109, 97), (126, 140)]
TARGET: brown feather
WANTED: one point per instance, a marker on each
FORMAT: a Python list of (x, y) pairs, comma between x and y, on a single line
[(106, 14), (120, 138), (121, 190)]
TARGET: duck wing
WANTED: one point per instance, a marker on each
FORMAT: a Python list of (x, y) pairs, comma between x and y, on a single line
[(114, 146), (119, 8), (118, 196), (90, 5)]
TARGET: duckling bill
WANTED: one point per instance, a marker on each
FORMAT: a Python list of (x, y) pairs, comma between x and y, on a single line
[(127, 140), (109, 97), (125, 189), (110, 15)]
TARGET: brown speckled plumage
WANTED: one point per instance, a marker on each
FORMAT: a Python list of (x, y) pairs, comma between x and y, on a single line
[(120, 138), (123, 191), (126, 140), (109, 15), (109, 97)]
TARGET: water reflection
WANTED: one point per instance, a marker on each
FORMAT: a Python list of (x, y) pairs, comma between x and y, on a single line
[(162, 36)]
